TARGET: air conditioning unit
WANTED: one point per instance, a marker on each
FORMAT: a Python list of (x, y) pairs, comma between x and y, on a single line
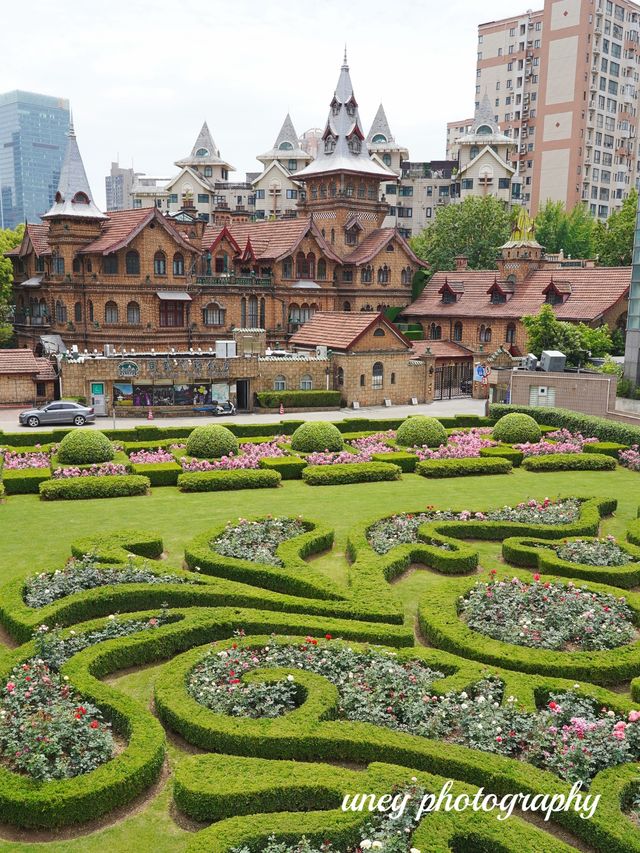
[(553, 361), (322, 352), (531, 361), (225, 349), (109, 350)]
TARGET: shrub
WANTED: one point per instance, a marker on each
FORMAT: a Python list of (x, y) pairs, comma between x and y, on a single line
[(609, 448), (211, 442), (505, 451), (338, 475), (517, 428), (406, 461), (302, 399), (26, 481), (570, 462), (159, 473), (420, 430), (316, 436), (289, 467), (82, 488), (83, 447), (439, 468), (602, 428), (222, 481)]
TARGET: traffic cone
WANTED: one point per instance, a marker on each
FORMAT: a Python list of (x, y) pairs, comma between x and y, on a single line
[(281, 409), (150, 415)]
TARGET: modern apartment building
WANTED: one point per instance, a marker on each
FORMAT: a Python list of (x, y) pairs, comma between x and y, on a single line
[(33, 139), (563, 81), (118, 186)]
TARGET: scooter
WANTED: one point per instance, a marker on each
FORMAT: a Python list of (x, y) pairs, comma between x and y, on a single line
[(223, 409)]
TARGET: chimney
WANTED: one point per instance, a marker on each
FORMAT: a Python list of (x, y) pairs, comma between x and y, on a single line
[(462, 262)]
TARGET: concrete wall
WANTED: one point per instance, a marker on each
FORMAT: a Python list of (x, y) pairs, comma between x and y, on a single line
[(593, 394)]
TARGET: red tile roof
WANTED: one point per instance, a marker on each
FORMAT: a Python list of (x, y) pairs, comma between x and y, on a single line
[(340, 330), (18, 361), (441, 349), (123, 225), (593, 291), (270, 239), (46, 370), (374, 243)]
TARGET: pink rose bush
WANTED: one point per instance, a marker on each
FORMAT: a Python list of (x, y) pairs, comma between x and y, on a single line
[(461, 445), (376, 443), (101, 469), (563, 441), (151, 457), (249, 457), (20, 461), (630, 458)]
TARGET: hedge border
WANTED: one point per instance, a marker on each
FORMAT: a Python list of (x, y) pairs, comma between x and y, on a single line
[(85, 488), (569, 462), (470, 467), (221, 481), (342, 474), (602, 428)]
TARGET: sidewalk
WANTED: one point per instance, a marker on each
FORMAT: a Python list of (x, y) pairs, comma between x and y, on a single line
[(461, 406)]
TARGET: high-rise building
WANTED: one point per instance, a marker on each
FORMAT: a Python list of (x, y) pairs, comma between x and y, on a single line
[(118, 186), (563, 82), (33, 138)]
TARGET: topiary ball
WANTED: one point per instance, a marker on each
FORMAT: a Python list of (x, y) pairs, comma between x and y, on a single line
[(83, 447), (420, 430), (211, 442), (517, 428), (316, 436)]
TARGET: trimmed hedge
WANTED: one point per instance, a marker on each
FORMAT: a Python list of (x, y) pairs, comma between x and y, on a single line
[(588, 425), (406, 461), (222, 481), (505, 451), (569, 462), (421, 430), (211, 442), (289, 467), (352, 472), (24, 481), (317, 436), (609, 448), (83, 488), (516, 428), (472, 467), (299, 399), (159, 473), (84, 447)]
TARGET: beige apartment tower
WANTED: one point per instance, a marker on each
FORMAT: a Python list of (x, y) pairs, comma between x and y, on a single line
[(564, 85)]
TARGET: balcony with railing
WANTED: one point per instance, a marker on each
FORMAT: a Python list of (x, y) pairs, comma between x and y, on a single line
[(23, 318), (232, 280)]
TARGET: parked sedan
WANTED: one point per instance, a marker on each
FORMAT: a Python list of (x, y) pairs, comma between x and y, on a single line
[(60, 412)]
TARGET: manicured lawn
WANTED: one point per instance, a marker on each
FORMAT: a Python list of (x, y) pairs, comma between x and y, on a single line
[(36, 536)]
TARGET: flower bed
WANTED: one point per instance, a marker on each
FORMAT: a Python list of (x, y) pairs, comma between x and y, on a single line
[(547, 615), (375, 687), (46, 730), (13, 461), (257, 541), (151, 457), (562, 441), (593, 552), (461, 445), (400, 529), (344, 457), (630, 458), (101, 469), (370, 444), (249, 457), (86, 573)]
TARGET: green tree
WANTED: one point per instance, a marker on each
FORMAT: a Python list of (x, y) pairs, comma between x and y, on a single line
[(595, 341), (476, 228), (571, 233), (576, 341), (8, 240), (613, 241)]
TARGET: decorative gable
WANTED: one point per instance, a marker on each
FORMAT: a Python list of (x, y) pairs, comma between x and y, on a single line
[(451, 291)]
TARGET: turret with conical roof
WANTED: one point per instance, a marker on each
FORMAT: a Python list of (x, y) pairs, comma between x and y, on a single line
[(204, 152), (382, 143), (73, 198), (286, 148)]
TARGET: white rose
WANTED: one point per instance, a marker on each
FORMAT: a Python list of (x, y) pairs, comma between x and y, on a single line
[(366, 844), (290, 678)]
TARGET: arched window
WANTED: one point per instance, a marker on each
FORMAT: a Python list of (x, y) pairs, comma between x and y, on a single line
[(213, 314), (322, 269), (61, 312), (386, 159), (435, 332), (110, 265), (393, 379), (346, 306), (333, 235), (160, 263), (243, 312), (263, 314), (473, 152), (311, 264), (280, 383), (406, 275), (178, 264), (80, 198), (76, 265), (306, 383), (287, 268), (485, 334), (294, 315), (133, 314), (366, 275), (77, 312), (377, 375), (132, 262), (253, 312), (362, 380), (457, 331), (340, 376), (383, 274), (90, 311), (379, 333), (511, 333), (110, 312), (302, 265)]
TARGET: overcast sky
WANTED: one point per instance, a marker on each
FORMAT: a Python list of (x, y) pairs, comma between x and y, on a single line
[(142, 75)]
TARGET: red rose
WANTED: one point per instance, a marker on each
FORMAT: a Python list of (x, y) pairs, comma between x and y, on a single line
[(328, 637), (94, 724)]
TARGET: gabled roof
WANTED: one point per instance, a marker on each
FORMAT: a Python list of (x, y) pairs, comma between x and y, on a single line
[(124, 225), (34, 239), (503, 287), (223, 234), (73, 197), (375, 242), (198, 177), (441, 349), (274, 165), (286, 145), (562, 287), (454, 287), (487, 150), (46, 371), (204, 143), (18, 361), (340, 330), (594, 290), (272, 240)]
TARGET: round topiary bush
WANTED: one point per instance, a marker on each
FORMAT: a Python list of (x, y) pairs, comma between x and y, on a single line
[(83, 447), (211, 442), (420, 430), (516, 428), (316, 436)]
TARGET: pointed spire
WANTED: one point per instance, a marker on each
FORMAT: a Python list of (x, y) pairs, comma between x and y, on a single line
[(485, 114), (287, 134), (286, 146), (380, 128), (345, 64), (204, 151), (73, 197)]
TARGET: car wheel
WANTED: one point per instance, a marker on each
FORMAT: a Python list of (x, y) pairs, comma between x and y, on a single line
[(79, 420), (33, 421)]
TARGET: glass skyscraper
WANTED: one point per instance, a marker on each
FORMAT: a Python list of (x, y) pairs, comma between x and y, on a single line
[(33, 138)]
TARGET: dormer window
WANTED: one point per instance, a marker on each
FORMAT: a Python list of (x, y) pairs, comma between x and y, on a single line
[(351, 236), (329, 144), (552, 297), (448, 297), (81, 198), (498, 298), (450, 291), (355, 146), (335, 107), (379, 139), (557, 292)]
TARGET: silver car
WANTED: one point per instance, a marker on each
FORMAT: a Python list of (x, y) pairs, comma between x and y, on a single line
[(59, 412)]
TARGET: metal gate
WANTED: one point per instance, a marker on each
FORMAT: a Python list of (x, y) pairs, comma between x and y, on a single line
[(453, 380)]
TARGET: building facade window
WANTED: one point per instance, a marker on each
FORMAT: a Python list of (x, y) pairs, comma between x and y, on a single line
[(287, 268), (306, 383), (178, 264), (280, 383), (366, 275), (457, 331), (159, 263), (110, 313), (383, 274), (133, 314), (485, 334), (377, 376), (110, 265), (435, 332), (213, 315), (61, 312), (77, 312), (322, 269), (511, 333), (132, 262), (171, 313)]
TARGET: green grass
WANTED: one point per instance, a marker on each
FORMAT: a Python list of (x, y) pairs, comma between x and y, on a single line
[(36, 536)]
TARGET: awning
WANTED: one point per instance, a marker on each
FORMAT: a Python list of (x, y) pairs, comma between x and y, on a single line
[(173, 295), (305, 284), (35, 281), (52, 344)]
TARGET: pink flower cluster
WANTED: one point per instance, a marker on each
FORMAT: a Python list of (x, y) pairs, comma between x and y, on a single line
[(151, 456), (461, 445), (18, 461), (563, 441), (344, 457), (630, 458), (376, 443), (104, 469), (249, 457)]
